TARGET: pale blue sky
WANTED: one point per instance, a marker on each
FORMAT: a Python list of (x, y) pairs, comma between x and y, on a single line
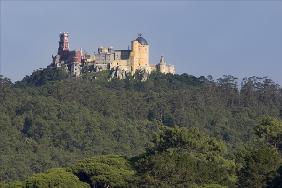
[(241, 38)]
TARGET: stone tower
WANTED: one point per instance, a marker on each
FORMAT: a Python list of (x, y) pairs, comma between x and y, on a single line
[(63, 44), (162, 65), (139, 54)]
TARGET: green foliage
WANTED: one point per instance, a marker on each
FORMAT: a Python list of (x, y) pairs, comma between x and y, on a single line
[(210, 186), (57, 177), (270, 129), (49, 120), (101, 76), (277, 180), (189, 140), (105, 171), (259, 167), (40, 77), (15, 184), (183, 157), (180, 157), (4, 81)]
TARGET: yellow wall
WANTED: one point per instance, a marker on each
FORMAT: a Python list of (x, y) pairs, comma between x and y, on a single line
[(139, 56), (165, 68), (139, 59), (123, 64)]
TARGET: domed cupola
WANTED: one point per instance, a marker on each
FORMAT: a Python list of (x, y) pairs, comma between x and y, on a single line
[(141, 40)]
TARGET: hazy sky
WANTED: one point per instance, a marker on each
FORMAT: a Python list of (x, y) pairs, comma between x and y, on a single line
[(242, 38)]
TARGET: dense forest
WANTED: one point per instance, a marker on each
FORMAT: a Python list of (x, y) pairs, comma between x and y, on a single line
[(167, 131)]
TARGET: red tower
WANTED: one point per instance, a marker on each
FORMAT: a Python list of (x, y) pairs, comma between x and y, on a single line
[(63, 44)]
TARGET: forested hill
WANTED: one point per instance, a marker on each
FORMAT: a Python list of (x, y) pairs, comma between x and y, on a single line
[(50, 120)]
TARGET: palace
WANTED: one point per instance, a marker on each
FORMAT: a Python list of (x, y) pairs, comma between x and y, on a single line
[(120, 62)]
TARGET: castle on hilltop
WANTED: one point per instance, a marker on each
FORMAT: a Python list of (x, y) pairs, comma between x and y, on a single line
[(120, 62)]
